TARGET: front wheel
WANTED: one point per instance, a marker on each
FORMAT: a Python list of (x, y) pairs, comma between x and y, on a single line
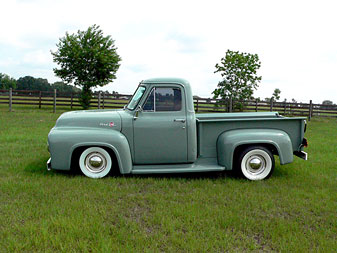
[(256, 163), (95, 162)]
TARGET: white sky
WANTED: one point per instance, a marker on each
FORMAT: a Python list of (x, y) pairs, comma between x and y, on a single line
[(295, 40)]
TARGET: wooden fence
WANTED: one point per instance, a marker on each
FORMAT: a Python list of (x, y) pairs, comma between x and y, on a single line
[(284, 108), (56, 99), (106, 100)]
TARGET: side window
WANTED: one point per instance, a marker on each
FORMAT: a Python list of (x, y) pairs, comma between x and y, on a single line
[(168, 99), (163, 100)]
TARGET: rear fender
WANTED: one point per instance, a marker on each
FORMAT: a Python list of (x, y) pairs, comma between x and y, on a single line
[(229, 141)]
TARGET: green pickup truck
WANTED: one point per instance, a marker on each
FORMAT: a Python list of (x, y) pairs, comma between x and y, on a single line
[(159, 132)]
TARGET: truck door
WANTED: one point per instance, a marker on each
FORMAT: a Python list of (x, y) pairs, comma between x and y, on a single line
[(160, 134)]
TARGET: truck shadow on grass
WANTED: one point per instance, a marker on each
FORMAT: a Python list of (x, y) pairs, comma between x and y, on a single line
[(39, 167)]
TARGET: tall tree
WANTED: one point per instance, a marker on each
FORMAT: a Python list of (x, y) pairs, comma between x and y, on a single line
[(88, 59), (239, 73), (7, 82)]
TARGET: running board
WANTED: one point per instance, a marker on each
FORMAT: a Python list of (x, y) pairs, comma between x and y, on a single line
[(201, 165)]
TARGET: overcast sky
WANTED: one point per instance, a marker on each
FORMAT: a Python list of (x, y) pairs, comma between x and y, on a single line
[(295, 40)]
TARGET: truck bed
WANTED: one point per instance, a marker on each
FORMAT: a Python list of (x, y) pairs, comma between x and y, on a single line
[(211, 125)]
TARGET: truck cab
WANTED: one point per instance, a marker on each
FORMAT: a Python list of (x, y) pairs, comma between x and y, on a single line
[(163, 122)]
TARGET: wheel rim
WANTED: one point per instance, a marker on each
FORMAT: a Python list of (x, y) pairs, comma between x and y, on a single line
[(256, 164), (95, 162)]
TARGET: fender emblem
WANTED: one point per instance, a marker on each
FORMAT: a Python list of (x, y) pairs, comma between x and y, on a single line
[(110, 124)]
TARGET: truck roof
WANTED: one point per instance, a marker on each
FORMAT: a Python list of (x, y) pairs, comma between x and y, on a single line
[(167, 80)]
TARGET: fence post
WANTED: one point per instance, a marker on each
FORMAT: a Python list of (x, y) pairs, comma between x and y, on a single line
[(271, 104), (230, 106), (71, 101), (99, 100), (10, 99), (40, 94), (256, 105), (103, 99), (310, 110), (54, 109)]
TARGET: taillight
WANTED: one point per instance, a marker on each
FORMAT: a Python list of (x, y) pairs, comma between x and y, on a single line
[(305, 142)]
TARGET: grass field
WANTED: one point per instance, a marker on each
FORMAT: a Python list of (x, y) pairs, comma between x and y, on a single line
[(295, 210)]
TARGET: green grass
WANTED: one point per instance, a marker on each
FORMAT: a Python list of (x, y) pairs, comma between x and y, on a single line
[(295, 210)]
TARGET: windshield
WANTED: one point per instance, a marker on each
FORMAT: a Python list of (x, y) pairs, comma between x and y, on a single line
[(136, 97)]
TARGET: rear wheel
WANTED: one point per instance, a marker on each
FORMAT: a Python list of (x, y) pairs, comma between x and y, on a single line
[(95, 162), (256, 163)]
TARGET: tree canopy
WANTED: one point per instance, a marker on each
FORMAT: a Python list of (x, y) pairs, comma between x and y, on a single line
[(276, 94), (239, 73), (88, 59), (327, 102), (42, 84), (63, 87), (7, 82), (32, 83)]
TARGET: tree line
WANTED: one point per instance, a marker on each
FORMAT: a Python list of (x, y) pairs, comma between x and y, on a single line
[(32, 83)]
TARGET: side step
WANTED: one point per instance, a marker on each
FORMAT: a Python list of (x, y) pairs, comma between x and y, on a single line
[(201, 165)]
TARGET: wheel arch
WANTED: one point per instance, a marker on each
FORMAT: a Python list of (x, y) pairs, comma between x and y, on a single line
[(230, 143), (274, 149), (121, 159), (76, 153)]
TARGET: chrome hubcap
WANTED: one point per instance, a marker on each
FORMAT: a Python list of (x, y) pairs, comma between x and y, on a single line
[(95, 162), (256, 164)]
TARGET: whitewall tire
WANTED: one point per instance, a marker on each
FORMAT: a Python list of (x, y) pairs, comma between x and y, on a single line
[(95, 162), (256, 163)]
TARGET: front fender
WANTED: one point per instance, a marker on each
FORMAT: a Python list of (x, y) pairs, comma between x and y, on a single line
[(228, 141), (63, 142)]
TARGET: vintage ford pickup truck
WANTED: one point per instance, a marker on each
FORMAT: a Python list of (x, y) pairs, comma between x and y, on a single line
[(159, 132)]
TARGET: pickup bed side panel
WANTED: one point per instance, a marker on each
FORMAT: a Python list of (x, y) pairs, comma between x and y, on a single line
[(209, 130), (230, 140), (63, 141)]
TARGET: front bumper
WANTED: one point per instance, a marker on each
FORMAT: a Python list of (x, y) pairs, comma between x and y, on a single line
[(49, 164)]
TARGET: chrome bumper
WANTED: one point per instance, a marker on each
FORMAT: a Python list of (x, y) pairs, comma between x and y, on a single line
[(301, 154), (49, 164)]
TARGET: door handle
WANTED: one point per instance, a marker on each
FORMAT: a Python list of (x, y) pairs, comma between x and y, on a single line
[(180, 120)]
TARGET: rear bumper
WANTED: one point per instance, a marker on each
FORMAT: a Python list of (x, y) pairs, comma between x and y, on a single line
[(49, 164), (301, 154)]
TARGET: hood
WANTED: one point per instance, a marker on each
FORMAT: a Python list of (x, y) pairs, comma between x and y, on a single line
[(108, 119)]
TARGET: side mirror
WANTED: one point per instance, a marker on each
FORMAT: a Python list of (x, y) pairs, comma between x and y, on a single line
[(139, 108)]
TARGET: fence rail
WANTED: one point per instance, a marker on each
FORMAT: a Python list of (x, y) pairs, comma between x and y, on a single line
[(114, 101)]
